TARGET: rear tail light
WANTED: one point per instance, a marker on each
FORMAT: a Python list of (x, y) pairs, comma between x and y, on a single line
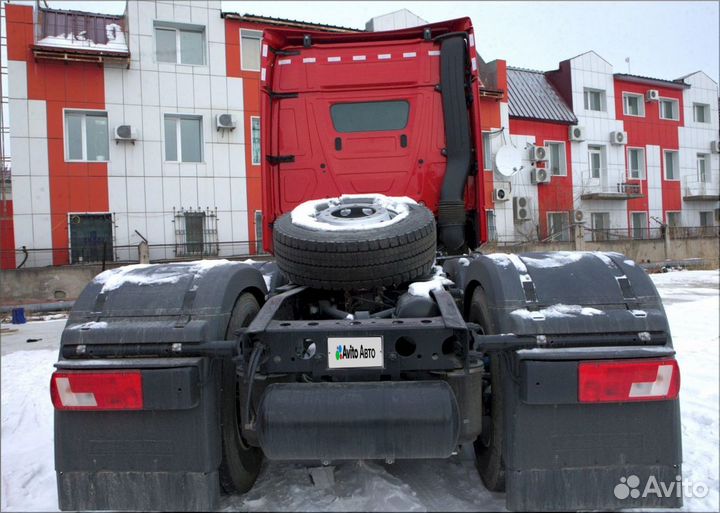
[(98, 390), (628, 380)]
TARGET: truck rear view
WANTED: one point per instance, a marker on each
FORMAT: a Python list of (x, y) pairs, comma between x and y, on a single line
[(376, 323)]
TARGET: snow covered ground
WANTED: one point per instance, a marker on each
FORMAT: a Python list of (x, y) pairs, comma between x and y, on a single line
[(28, 477)]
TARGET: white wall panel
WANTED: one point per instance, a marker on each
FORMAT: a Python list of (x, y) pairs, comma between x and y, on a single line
[(37, 118), (17, 79), (20, 151), (185, 91), (150, 88), (38, 157), (188, 192), (18, 113)]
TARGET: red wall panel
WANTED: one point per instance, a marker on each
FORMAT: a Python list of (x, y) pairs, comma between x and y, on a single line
[(556, 196)]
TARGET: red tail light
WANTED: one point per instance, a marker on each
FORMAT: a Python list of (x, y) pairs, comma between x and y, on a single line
[(99, 390), (628, 380)]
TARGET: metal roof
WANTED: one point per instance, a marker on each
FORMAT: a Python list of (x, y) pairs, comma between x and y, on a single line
[(533, 97), (673, 84), (269, 20)]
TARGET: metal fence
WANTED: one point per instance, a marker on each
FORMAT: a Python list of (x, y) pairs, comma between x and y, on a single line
[(94, 254)]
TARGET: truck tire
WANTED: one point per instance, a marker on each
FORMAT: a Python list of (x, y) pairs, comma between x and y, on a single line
[(240, 463), (361, 255), (489, 445)]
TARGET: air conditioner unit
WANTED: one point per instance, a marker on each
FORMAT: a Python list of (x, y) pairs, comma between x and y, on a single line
[(715, 146), (540, 175), (652, 95), (125, 133), (577, 216), (618, 137), (501, 193), (538, 153), (521, 208), (577, 133), (225, 122)]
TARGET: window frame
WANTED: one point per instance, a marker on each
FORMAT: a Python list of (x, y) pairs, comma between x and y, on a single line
[(334, 118), (641, 104), (676, 166), (705, 176), (178, 28), (706, 113), (673, 212), (643, 229), (586, 99), (564, 234), (178, 138), (601, 151), (562, 170), (252, 142), (491, 230), (487, 151), (260, 39), (676, 109), (642, 171), (600, 234), (83, 134)]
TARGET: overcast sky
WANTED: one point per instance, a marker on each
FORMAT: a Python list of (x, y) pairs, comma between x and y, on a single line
[(662, 39)]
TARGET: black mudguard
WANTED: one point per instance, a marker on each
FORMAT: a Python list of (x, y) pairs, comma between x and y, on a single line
[(560, 454), (165, 457)]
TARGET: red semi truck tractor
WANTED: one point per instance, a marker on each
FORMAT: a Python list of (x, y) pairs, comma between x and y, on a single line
[(377, 332)]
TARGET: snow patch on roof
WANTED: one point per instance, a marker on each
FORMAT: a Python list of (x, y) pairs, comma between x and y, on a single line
[(305, 214), (436, 283), (115, 35), (556, 311)]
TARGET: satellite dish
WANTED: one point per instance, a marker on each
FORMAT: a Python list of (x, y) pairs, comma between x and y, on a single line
[(508, 161)]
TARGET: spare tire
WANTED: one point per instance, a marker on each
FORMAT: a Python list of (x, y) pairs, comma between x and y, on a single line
[(355, 242)]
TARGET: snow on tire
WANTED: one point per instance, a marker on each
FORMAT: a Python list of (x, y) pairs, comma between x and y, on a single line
[(355, 242)]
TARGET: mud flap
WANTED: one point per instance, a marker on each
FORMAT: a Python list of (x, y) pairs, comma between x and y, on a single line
[(165, 456), (561, 454)]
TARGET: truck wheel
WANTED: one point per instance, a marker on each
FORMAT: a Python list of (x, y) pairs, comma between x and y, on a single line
[(489, 445), (240, 462), (355, 243)]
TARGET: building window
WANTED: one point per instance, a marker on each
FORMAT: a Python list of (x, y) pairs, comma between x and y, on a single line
[(196, 233), (258, 231), (255, 139), (91, 238), (491, 227), (706, 218), (250, 42), (600, 222), (595, 99), (558, 226), (596, 157), (183, 138), (701, 113), (180, 44), (672, 165), (633, 105), (556, 158), (487, 152), (669, 109), (5, 184), (703, 167), (636, 163), (86, 136), (639, 225), (674, 223)]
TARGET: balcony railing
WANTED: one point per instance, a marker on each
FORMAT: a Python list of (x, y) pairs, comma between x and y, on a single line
[(80, 36), (699, 190), (609, 189)]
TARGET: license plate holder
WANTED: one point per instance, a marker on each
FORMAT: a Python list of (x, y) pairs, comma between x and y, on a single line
[(355, 353)]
